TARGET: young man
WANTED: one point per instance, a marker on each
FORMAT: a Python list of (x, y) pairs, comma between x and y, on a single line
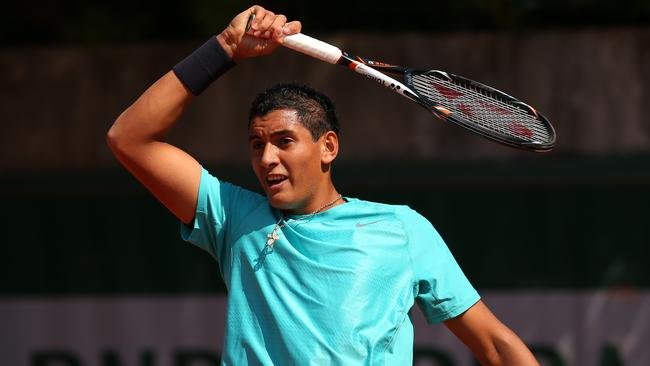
[(313, 277)]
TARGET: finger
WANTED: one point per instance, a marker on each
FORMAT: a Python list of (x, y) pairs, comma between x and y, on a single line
[(243, 20), (262, 25), (292, 27), (250, 14), (278, 23)]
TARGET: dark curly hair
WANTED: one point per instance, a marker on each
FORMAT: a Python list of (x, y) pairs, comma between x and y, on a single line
[(315, 110)]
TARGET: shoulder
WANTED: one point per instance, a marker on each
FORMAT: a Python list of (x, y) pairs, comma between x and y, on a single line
[(360, 203), (397, 209), (402, 213), (417, 228), (362, 207)]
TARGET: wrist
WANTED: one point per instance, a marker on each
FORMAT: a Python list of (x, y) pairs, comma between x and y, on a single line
[(203, 66), (226, 42)]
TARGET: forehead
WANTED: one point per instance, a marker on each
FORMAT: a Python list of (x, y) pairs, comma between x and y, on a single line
[(276, 120)]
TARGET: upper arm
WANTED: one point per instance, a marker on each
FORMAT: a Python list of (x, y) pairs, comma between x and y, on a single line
[(169, 173), (137, 140)]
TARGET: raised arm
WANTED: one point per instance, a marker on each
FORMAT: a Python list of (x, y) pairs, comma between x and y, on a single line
[(490, 340), (138, 136)]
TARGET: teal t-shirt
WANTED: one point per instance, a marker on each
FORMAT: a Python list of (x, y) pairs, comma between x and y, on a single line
[(337, 287)]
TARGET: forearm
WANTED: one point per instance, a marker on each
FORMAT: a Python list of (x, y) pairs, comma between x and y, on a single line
[(152, 115)]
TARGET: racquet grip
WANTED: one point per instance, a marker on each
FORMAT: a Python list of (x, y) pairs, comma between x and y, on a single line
[(313, 47)]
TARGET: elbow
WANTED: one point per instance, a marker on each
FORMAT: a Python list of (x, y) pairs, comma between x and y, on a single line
[(113, 137), (116, 138)]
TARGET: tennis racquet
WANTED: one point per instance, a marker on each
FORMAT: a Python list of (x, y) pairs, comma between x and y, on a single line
[(452, 98)]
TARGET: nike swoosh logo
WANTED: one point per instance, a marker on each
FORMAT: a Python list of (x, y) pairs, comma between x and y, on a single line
[(367, 223)]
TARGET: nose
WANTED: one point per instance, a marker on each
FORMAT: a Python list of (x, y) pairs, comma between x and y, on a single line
[(269, 157)]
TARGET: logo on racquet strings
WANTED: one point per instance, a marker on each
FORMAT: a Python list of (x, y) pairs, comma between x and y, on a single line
[(479, 109)]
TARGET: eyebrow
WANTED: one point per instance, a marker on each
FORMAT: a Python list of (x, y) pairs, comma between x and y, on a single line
[(274, 134)]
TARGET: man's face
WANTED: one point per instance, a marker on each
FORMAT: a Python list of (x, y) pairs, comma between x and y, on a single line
[(286, 160)]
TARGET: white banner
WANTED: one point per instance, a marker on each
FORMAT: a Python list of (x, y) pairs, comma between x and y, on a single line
[(562, 328)]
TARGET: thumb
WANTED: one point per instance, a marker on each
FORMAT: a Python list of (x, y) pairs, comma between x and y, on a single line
[(232, 36), (243, 21)]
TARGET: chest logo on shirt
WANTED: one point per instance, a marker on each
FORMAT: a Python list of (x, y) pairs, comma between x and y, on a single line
[(362, 224)]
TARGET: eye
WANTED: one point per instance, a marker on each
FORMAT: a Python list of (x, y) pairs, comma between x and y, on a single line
[(257, 145), (285, 141)]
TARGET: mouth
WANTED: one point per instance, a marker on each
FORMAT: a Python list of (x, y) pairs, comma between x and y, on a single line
[(275, 180)]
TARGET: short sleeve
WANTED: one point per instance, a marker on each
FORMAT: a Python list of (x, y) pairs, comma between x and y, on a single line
[(220, 206), (444, 291)]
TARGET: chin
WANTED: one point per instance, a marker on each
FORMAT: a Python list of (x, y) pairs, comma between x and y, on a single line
[(283, 204), (278, 202)]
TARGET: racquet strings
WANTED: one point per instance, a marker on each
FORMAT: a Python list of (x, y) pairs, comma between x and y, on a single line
[(481, 107)]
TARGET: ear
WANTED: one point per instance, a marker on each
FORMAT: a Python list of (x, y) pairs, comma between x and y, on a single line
[(329, 147)]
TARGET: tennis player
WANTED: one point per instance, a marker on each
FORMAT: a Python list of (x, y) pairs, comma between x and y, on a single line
[(313, 277)]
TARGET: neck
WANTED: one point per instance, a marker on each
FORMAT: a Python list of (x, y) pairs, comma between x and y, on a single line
[(318, 204)]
